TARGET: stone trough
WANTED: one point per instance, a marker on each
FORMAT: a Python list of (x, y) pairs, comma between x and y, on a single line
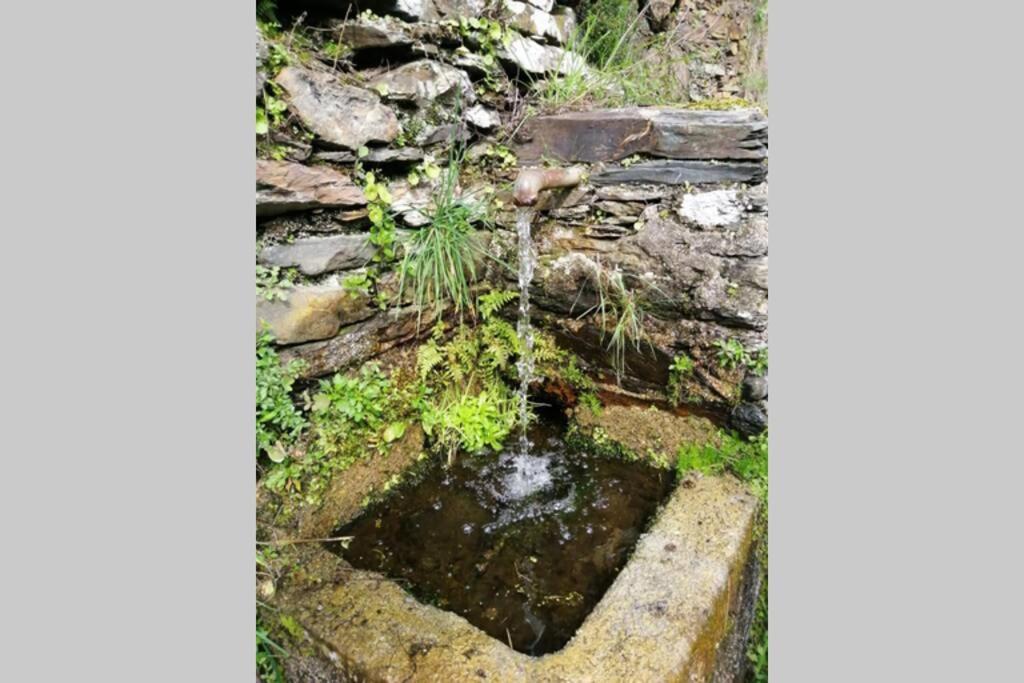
[(678, 611)]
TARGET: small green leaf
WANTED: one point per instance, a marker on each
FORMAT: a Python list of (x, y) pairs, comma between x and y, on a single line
[(394, 431), (262, 126), (413, 178), (432, 171), (291, 626), (277, 453), (362, 152)]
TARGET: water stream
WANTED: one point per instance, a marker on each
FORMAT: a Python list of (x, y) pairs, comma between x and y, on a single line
[(527, 262)]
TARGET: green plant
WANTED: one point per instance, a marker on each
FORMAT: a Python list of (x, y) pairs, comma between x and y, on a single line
[(266, 10), (619, 67), (346, 404), (268, 655), (617, 303), (470, 422), (272, 284), (278, 422), (731, 354), (491, 302), (439, 262), (681, 367)]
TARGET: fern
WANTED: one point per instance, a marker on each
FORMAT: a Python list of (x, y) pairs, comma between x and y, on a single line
[(491, 302)]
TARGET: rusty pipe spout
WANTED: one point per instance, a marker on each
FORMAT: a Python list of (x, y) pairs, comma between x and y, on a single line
[(532, 181)]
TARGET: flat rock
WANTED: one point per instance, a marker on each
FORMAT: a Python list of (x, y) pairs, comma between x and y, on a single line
[(431, 10), (378, 32), (614, 134), (482, 117), (678, 172), (424, 81), (360, 341), (283, 186), (312, 312), (533, 58), (316, 255), (632, 193), (377, 155), (532, 21), (338, 114)]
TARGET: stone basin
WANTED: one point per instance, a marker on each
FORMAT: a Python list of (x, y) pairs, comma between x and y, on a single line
[(678, 610)]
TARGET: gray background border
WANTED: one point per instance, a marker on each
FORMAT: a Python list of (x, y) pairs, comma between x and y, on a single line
[(128, 341)]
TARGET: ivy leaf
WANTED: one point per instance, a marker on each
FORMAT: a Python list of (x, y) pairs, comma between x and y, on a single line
[(413, 178), (432, 171), (362, 152), (384, 194)]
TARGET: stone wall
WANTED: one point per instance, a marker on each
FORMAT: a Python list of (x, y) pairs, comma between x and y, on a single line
[(675, 199)]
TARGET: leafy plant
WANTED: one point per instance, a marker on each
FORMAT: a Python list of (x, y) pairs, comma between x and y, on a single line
[(470, 422), (681, 367), (731, 354), (491, 302), (346, 404), (272, 284), (278, 422)]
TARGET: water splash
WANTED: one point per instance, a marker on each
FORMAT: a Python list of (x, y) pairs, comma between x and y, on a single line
[(527, 262)]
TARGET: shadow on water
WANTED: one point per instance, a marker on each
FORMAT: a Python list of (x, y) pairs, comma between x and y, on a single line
[(521, 544)]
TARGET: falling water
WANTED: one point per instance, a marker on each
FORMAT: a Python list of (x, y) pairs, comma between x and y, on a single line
[(527, 261)]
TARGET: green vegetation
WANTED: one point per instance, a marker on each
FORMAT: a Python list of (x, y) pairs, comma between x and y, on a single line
[(272, 284), (619, 306), (732, 354), (278, 422), (621, 67), (268, 656), (681, 367), (440, 258)]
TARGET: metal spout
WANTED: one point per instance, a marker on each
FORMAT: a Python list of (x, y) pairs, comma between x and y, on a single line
[(532, 181)]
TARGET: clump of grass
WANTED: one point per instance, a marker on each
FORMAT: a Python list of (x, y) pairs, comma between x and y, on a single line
[(618, 67), (440, 259), (618, 307)]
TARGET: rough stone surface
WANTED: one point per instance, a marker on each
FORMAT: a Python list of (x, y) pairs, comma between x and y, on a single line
[(430, 10), (338, 114), (534, 58), (646, 431), (659, 11), (613, 134), (283, 186), (538, 23), (344, 497), (377, 155), (262, 52), (359, 342), (662, 617), (482, 117), (317, 255), (749, 419), (312, 312), (424, 81), (362, 33), (677, 172), (755, 388)]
